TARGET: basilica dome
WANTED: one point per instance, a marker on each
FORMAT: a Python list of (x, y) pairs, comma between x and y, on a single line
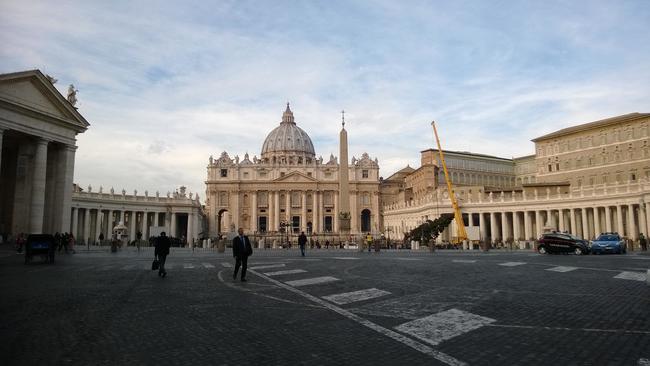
[(288, 142)]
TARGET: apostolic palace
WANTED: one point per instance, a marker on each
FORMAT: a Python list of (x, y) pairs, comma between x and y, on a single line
[(585, 179)]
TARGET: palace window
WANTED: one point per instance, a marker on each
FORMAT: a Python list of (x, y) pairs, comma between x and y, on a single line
[(364, 173), (282, 174), (245, 175), (309, 174), (224, 173)]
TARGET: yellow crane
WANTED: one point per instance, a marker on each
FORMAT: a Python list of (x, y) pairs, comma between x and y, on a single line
[(461, 234)]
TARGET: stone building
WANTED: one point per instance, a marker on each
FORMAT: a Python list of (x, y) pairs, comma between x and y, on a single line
[(38, 128), (289, 186), (585, 179)]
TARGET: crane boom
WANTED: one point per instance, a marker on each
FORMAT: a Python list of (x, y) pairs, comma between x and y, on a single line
[(460, 224)]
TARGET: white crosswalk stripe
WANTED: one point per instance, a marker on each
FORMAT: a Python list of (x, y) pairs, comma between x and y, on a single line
[(410, 259), (311, 281), (226, 264), (464, 260), (442, 326), (188, 265), (289, 271), (634, 276), (361, 295), (128, 267), (512, 264), (346, 258), (269, 266), (562, 269), (207, 265)]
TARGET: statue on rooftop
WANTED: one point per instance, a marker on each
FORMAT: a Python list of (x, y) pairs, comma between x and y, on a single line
[(72, 95)]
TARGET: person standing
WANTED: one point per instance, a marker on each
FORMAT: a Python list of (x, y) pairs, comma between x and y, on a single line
[(302, 241), (241, 250), (161, 252), (643, 242), (369, 241)]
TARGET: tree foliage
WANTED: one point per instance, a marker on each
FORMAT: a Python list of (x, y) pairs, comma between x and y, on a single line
[(431, 229)]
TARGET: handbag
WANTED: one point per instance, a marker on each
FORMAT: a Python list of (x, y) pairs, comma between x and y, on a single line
[(155, 264)]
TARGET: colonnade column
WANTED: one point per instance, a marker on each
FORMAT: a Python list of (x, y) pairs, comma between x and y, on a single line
[(481, 226), (75, 221), (254, 212), (37, 206), (527, 226), (596, 221), (375, 209), (538, 224), (608, 219), (574, 227), (516, 232), (619, 220), (561, 220), (643, 227), (66, 189), (504, 226), (132, 225), (86, 232), (190, 229), (173, 228), (109, 225), (98, 224), (271, 211), (632, 234), (354, 219), (156, 217), (493, 227), (585, 224)]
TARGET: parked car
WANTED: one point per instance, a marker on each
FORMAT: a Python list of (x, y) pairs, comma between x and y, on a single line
[(555, 242), (608, 243)]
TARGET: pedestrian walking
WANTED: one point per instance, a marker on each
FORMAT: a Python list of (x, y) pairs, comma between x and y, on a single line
[(643, 242), (241, 250), (302, 241), (161, 252), (369, 241)]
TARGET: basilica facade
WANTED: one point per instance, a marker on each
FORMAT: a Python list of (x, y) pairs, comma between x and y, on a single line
[(289, 189)]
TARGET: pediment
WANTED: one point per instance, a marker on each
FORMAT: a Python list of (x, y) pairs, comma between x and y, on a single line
[(296, 177), (33, 91)]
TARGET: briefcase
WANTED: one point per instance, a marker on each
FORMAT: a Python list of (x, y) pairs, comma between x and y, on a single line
[(155, 264)]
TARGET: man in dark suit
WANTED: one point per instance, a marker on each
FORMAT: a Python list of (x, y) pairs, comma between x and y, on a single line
[(162, 251), (241, 249)]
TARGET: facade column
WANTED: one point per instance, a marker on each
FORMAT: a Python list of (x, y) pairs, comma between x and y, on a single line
[(585, 224), (335, 217), (314, 212), (631, 227), (37, 206), (156, 217), (516, 226), (287, 208), (65, 191), (375, 210), (303, 211), (596, 221), (98, 224), (355, 227), (75, 221), (608, 219), (481, 226), (470, 222), (277, 210), (561, 220), (643, 228), (253, 227), (493, 228), (270, 200), (132, 225), (619, 220), (236, 213), (538, 223), (527, 226), (86, 232), (574, 227), (173, 228)]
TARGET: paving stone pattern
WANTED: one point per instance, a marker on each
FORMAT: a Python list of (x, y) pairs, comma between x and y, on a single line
[(98, 308)]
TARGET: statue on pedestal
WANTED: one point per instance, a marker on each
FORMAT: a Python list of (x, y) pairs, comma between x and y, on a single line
[(72, 95)]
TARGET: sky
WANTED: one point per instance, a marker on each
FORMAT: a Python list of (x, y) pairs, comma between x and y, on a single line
[(166, 84)]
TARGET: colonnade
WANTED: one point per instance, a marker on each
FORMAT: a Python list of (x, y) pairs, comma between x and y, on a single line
[(89, 223), (587, 222)]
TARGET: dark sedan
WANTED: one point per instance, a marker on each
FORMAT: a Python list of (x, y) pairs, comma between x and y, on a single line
[(555, 242)]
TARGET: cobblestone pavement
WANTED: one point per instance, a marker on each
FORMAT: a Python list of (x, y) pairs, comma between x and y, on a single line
[(336, 307)]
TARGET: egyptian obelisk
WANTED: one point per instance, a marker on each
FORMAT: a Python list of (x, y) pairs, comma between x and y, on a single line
[(344, 183)]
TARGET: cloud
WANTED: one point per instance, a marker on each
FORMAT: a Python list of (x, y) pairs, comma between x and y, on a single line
[(165, 87)]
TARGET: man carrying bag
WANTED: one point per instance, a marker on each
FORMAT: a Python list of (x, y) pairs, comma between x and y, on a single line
[(162, 250)]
